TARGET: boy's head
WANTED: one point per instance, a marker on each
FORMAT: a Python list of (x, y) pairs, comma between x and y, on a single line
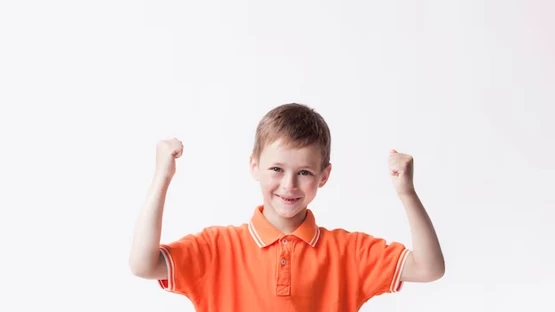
[(291, 157)]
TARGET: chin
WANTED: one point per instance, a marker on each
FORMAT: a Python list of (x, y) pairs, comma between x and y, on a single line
[(288, 213)]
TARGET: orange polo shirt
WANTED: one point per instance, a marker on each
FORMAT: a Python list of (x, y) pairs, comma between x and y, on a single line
[(254, 267)]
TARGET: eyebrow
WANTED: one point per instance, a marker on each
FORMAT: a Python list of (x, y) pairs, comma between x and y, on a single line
[(302, 167)]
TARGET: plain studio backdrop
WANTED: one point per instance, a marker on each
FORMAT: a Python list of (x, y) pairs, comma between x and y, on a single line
[(88, 88)]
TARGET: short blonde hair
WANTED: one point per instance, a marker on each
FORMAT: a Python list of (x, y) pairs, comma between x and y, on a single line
[(297, 126)]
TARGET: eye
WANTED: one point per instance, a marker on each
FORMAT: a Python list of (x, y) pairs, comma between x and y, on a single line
[(305, 173), (276, 169)]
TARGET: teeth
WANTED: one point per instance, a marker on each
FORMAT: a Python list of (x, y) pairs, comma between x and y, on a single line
[(290, 199)]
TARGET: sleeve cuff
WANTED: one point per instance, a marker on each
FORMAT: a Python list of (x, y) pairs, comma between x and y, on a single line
[(396, 283), (169, 283)]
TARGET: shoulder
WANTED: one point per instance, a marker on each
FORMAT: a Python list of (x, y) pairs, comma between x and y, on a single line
[(364, 247), (211, 240), (344, 237), (219, 234), (342, 234), (338, 237)]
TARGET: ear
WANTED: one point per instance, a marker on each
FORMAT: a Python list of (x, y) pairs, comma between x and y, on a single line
[(254, 168), (325, 175)]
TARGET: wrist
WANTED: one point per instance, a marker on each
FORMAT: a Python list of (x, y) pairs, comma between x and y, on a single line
[(407, 194), (161, 179)]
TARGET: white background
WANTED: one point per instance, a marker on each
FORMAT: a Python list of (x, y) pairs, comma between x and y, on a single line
[(88, 87)]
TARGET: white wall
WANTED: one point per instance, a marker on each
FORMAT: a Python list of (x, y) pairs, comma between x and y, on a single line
[(87, 88)]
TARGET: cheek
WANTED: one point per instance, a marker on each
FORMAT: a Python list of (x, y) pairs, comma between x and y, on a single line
[(270, 182), (309, 185)]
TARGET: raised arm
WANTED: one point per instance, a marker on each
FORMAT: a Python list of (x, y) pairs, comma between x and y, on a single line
[(425, 263), (146, 259)]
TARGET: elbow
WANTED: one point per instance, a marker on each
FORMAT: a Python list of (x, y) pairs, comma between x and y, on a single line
[(434, 273), (153, 269), (142, 272), (134, 269), (423, 271), (137, 269)]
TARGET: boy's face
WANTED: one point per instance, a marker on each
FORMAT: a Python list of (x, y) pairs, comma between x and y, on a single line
[(289, 177)]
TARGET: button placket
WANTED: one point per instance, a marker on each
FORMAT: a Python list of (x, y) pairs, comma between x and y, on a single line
[(283, 286)]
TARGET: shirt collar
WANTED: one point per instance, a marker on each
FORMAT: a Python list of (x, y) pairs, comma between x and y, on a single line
[(265, 234)]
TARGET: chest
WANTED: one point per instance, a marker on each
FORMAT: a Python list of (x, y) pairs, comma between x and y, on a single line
[(289, 272)]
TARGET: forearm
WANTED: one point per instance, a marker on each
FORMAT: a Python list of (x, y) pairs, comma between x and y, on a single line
[(145, 249), (426, 250)]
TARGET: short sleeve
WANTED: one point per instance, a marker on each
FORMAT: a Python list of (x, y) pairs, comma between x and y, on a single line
[(188, 260), (379, 265)]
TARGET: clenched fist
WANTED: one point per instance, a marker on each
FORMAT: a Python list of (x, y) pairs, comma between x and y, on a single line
[(167, 151), (401, 169)]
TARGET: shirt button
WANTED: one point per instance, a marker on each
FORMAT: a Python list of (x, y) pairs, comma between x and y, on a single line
[(282, 261), (284, 241)]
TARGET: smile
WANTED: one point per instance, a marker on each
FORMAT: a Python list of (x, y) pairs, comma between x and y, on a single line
[(289, 200)]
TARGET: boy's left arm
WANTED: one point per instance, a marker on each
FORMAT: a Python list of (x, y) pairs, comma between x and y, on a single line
[(425, 263)]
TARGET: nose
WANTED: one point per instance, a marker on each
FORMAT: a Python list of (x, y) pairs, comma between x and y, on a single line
[(289, 182)]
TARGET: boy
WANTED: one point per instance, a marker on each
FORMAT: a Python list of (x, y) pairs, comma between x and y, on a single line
[(281, 260)]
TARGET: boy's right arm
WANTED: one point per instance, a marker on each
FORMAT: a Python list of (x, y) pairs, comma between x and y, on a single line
[(146, 259)]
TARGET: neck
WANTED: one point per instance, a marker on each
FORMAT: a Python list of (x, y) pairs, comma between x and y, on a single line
[(284, 225)]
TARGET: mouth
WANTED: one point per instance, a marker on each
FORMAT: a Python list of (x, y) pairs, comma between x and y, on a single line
[(289, 199)]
